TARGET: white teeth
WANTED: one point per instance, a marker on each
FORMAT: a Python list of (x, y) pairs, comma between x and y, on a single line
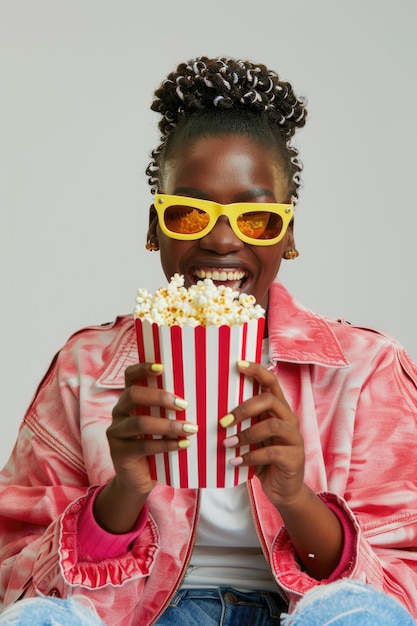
[(221, 275)]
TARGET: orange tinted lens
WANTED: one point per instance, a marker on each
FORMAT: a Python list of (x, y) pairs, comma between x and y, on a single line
[(260, 224), (185, 220)]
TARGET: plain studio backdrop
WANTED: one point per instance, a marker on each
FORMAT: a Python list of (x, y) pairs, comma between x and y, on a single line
[(76, 82)]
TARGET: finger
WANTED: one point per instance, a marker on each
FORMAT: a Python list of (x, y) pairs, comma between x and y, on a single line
[(139, 448), (266, 378), (135, 373), (262, 406), (135, 396), (143, 425), (124, 452), (289, 459), (269, 430)]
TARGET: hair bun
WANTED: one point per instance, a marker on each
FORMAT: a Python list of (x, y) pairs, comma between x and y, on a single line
[(224, 83)]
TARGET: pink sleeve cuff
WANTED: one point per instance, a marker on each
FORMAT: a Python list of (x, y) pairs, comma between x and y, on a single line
[(96, 544), (349, 538)]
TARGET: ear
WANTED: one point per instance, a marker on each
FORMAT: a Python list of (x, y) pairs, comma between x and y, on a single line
[(151, 237)]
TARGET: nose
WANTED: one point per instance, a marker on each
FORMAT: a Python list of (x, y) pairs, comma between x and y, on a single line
[(221, 239)]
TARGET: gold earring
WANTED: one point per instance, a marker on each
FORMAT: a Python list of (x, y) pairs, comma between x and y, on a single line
[(291, 254), (151, 245)]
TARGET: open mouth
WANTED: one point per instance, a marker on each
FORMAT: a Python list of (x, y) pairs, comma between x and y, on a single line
[(233, 278)]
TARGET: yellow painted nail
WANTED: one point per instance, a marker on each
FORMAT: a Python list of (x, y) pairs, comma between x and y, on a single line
[(157, 367), (227, 420), (180, 403), (184, 443), (188, 427), (243, 364)]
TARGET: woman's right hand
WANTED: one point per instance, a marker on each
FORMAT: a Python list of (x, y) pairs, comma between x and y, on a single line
[(120, 502), (127, 435)]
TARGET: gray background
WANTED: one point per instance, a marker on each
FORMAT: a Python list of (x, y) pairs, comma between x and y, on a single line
[(76, 81)]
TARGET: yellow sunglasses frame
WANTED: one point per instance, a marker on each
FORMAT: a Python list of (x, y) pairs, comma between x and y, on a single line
[(215, 210)]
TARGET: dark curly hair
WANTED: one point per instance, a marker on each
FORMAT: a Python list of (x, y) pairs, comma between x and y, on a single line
[(222, 95)]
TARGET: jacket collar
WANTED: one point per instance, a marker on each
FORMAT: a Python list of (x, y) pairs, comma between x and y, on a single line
[(296, 335)]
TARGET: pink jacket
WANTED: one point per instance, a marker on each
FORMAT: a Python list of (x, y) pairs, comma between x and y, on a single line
[(354, 391)]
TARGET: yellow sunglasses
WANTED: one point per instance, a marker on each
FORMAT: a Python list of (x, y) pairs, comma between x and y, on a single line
[(257, 223)]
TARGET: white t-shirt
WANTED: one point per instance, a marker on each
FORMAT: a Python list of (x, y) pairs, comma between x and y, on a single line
[(227, 550)]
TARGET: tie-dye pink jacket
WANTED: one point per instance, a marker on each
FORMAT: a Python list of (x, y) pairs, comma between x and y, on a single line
[(355, 393)]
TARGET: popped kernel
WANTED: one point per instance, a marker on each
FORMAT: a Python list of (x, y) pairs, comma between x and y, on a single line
[(204, 304)]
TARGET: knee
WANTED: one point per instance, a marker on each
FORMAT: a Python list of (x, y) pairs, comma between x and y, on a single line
[(42, 611), (348, 603)]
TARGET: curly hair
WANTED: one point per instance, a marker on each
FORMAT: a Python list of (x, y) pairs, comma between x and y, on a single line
[(209, 96)]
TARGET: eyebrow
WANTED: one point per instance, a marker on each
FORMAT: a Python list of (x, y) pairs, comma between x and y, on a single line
[(255, 192), (247, 195), (191, 192)]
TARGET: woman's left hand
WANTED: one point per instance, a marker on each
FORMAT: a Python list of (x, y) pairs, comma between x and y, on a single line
[(279, 454), (279, 458)]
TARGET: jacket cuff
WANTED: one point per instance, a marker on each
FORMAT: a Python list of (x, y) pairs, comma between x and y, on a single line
[(136, 562), (95, 543), (349, 541), (285, 562)]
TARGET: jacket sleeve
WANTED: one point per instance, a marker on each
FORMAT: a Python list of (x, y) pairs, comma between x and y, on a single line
[(43, 489), (380, 494)]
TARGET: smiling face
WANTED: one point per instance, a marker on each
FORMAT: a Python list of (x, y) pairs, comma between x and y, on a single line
[(226, 169)]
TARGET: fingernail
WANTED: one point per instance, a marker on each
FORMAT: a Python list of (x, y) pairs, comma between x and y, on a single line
[(243, 364), (180, 403), (157, 367), (227, 420), (231, 442), (184, 443), (236, 461), (188, 427)]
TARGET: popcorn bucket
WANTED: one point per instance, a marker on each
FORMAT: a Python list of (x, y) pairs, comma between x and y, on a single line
[(200, 366)]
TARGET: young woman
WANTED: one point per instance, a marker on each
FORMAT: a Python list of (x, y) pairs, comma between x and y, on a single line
[(335, 495)]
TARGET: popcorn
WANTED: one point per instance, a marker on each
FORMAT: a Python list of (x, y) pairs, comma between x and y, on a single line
[(203, 304)]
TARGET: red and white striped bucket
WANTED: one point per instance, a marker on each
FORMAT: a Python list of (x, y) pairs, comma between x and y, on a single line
[(200, 366)]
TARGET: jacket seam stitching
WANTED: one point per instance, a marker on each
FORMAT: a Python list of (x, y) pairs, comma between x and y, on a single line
[(52, 442)]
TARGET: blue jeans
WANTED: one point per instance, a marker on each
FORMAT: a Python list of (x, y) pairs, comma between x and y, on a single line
[(46, 611), (348, 603), (222, 606), (343, 603)]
